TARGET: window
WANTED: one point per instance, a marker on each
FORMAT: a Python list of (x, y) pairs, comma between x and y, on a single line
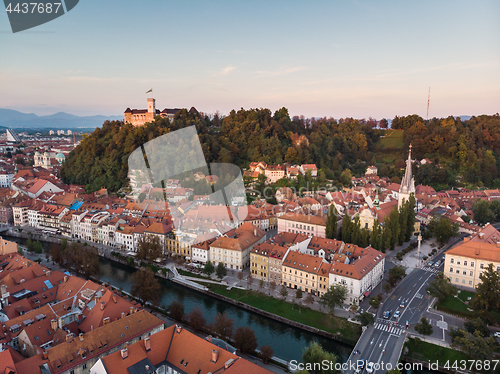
[(464, 272), (463, 281), (456, 280), (471, 273), (481, 266), (451, 270), (472, 263), (452, 260), (465, 263), (470, 283)]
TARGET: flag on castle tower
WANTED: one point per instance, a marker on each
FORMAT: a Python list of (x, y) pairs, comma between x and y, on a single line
[(151, 90)]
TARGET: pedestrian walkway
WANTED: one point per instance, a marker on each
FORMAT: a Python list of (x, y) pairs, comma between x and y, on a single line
[(431, 269), (390, 329)]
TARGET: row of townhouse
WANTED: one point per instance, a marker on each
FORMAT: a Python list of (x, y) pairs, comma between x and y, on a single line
[(314, 264)]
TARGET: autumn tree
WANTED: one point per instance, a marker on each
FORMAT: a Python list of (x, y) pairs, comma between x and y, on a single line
[(176, 310), (196, 318), (145, 286), (223, 326), (245, 340), (266, 353), (149, 248)]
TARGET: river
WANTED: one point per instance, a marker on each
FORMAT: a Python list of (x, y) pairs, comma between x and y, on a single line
[(287, 342)]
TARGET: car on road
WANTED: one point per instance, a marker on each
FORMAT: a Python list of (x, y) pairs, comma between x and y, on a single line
[(369, 367), (387, 314), (430, 263), (497, 334), (402, 305), (361, 364), (357, 371), (396, 314), (437, 263)]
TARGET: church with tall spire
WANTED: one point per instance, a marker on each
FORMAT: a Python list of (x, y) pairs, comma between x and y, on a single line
[(408, 184)]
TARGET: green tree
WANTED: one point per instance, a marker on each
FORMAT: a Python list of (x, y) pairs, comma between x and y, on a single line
[(298, 294), (345, 177), (442, 229), (396, 273), (365, 318), (346, 229), (284, 292), (475, 346), (374, 302), (335, 296), (313, 355), (145, 286), (245, 340), (482, 211), (441, 287), (487, 297), (410, 221), (423, 327), (331, 223), (209, 269), (221, 271)]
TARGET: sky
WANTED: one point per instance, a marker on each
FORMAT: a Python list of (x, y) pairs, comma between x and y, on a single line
[(317, 58)]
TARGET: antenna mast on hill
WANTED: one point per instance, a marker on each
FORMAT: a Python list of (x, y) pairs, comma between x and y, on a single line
[(428, 102)]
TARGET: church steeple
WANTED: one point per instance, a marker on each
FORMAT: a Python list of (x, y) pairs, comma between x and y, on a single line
[(408, 183)]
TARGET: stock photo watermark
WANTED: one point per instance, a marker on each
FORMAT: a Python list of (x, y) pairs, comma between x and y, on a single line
[(24, 15)]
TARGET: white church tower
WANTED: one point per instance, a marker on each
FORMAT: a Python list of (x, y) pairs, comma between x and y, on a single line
[(408, 184)]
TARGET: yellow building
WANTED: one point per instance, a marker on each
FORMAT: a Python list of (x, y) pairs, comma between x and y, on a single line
[(465, 262), (301, 270), (259, 261)]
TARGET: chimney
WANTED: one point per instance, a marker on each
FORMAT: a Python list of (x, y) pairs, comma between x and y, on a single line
[(45, 355), (254, 232), (102, 305), (81, 337), (131, 310), (123, 314), (228, 363), (53, 324), (115, 298), (147, 367), (97, 299), (215, 355), (178, 329), (69, 337), (498, 244), (48, 273), (209, 338), (147, 344), (65, 278), (124, 353), (105, 321)]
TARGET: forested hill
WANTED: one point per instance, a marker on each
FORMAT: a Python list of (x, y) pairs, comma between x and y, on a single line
[(333, 145)]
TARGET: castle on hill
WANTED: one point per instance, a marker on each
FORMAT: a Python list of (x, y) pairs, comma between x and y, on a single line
[(139, 117)]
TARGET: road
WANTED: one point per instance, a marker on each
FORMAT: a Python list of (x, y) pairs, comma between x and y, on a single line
[(382, 342)]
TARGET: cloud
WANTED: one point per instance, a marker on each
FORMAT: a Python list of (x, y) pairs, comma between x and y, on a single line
[(224, 71), (280, 71)]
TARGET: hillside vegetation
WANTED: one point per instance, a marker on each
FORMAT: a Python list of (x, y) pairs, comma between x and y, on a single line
[(463, 153)]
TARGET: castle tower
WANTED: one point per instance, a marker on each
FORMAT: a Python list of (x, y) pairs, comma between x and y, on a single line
[(408, 184), (151, 106)]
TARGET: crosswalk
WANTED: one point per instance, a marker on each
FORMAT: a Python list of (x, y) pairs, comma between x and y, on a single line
[(431, 269), (390, 329)]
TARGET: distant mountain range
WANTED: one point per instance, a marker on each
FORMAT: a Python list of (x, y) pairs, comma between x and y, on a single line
[(13, 119)]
